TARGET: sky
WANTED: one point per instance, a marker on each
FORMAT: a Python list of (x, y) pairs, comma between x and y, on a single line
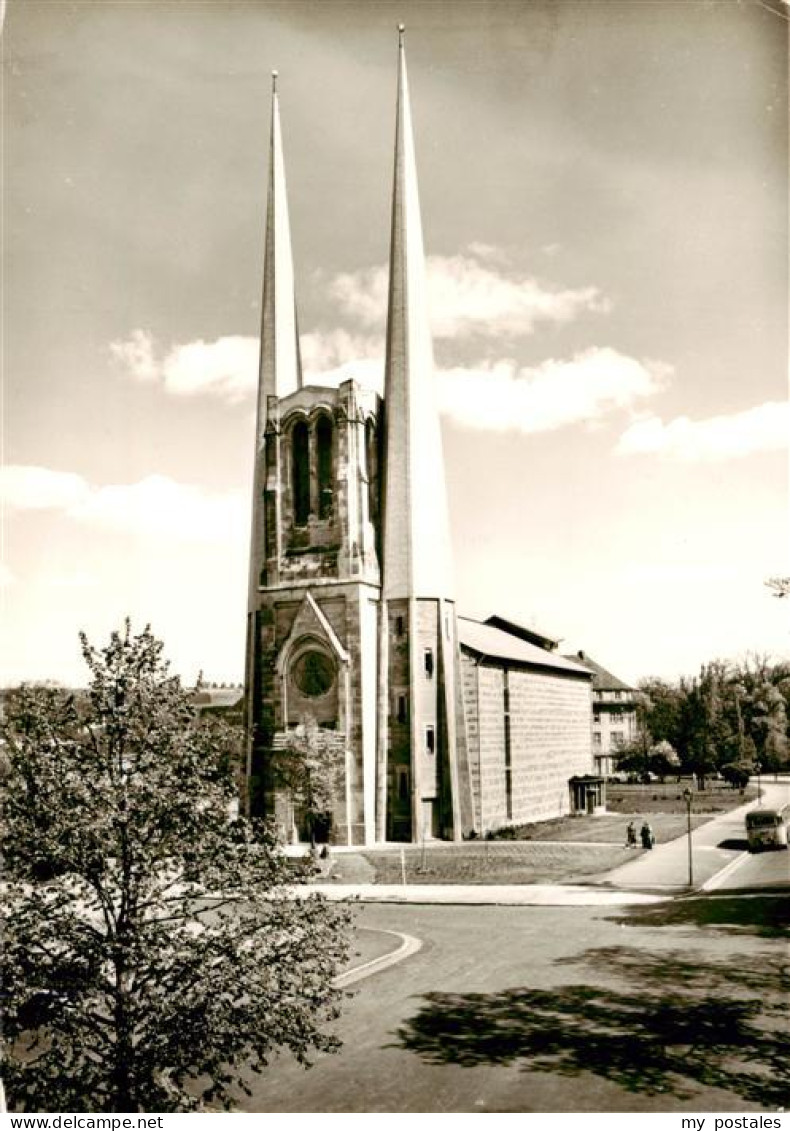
[(604, 190)]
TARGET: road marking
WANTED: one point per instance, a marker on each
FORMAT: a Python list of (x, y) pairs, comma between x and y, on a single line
[(718, 879), (409, 945)]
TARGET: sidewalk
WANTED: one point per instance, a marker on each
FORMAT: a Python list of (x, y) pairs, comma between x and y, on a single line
[(716, 845), (514, 895)]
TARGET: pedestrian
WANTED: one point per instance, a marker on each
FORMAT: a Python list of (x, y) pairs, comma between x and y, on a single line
[(648, 840), (630, 835)]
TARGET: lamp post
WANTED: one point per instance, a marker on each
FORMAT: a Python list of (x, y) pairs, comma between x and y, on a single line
[(757, 768), (687, 795)]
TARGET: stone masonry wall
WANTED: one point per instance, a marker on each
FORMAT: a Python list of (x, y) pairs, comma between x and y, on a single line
[(491, 726), (549, 742), (471, 706)]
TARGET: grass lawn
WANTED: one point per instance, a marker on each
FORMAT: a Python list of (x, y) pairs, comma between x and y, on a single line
[(563, 850), (370, 944), (610, 828), (668, 798), (491, 862)]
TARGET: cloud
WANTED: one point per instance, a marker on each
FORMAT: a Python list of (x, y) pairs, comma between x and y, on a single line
[(226, 368), (496, 395), (40, 488), (329, 357), (765, 428), (136, 355), (470, 295), (153, 507), (467, 296), (504, 397)]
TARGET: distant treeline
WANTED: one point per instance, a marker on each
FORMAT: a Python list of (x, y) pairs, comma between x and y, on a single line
[(730, 714)]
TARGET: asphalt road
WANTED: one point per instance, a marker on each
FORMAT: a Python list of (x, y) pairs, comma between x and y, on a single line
[(758, 870), (667, 1007)]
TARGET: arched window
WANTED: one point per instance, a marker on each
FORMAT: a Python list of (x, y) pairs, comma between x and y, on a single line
[(300, 472), (271, 455), (371, 465), (323, 445)]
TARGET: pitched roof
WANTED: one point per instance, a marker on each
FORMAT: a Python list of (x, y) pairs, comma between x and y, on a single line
[(487, 640), (603, 680), (213, 697), (531, 635)]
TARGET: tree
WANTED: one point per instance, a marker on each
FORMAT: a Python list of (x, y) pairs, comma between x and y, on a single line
[(663, 706), (153, 954), (737, 774), (308, 766), (708, 733), (779, 586), (663, 760), (762, 689)]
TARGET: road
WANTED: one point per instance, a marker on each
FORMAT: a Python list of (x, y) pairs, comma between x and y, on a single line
[(717, 846), (552, 1009), (759, 869)]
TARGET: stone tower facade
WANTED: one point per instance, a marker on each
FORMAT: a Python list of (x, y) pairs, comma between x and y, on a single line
[(351, 613)]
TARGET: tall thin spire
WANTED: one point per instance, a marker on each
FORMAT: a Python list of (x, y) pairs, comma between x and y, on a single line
[(280, 364), (416, 545), (281, 371)]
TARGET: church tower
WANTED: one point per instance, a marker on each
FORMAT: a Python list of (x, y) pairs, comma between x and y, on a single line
[(422, 751), (351, 612), (314, 572)]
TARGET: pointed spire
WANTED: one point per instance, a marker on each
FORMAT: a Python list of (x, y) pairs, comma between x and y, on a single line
[(417, 558), (281, 371), (280, 365)]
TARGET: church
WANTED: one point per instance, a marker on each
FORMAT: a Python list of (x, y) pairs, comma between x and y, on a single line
[(445, 727)]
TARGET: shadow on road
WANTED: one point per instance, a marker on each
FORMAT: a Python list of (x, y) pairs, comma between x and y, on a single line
[(672, 1021), (767, 916)]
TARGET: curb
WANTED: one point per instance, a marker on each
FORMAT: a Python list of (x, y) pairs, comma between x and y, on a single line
[(409, 945)]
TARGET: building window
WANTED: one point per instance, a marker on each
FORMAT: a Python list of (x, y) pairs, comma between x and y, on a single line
[(399, 626), (596, 717), (618, 694), (430, 740), (300, 462), (428, 660), (323, 445), (617, 738), (596, 740), (401, 712), (402, 773), (271, 455), (371, 467), (313, 672)]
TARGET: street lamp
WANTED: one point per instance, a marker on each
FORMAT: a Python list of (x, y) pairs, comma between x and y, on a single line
[(757, 768), (687, 795)]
